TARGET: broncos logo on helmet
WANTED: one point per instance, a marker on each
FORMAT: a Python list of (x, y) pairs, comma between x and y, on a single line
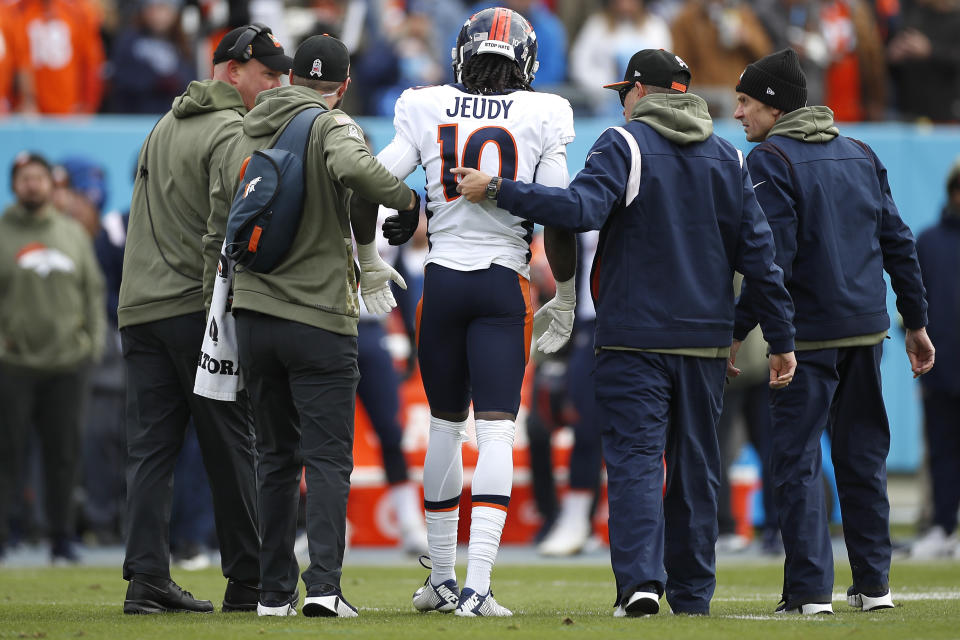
[(501, 31)]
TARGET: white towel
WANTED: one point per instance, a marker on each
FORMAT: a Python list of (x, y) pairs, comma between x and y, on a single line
[(218, 368)]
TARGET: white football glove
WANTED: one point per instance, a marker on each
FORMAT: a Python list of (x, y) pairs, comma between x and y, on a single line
[(375, 277), (559, 313)]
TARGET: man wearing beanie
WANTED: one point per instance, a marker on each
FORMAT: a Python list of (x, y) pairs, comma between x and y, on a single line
[(161, 320), (297, 325), (836, 229), (677, 216)]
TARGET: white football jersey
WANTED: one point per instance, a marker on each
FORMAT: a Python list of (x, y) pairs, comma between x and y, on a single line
[(521, 135)]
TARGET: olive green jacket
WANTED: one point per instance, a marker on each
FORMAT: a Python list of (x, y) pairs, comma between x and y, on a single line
[(53, 314), (315, 283), (162, 264)]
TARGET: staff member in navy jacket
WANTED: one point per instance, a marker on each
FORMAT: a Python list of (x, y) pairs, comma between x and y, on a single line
[(837, 229), (674, 225)]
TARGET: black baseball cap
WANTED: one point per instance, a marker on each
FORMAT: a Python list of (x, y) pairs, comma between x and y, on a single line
[(655, 67), (253, 42), (322, 58)]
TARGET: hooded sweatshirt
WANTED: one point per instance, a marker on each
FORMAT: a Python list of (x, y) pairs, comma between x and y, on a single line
[(52, 317), (163, 266), (837, 229), (315, 282), (677, 215)]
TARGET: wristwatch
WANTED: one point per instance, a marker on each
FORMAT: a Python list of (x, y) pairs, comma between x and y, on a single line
[(493, 188)]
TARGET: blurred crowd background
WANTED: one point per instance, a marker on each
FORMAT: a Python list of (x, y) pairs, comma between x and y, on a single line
[(869, 60)]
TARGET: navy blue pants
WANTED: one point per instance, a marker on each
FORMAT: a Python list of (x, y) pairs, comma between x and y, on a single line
[(585, 457), (651, 404), (837, 390), (378, 390), (473, 338), (942, 423)]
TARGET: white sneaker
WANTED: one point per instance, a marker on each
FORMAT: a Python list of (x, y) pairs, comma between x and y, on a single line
[(809, 609), (328, 604), (573, 527), (282, 609), (869, 603), (935, 543), (641, 603), (732, 543), (474, 605), (443, 597)]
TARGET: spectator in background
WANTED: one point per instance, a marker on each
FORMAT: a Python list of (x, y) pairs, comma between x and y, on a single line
[(65, 53), (925, 61), (855, 86), (551, 37), (83, 193), (939, 251), (796, 24), (151, 62), (51, 328), (16, 84), (607, 41), (397, 62), (718, 38)]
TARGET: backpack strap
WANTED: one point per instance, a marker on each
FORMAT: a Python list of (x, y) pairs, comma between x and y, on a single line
[(296, 135)]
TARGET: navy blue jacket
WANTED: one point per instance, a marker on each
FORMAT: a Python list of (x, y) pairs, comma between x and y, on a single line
[(836, 229), (670, 241), (939, 251)]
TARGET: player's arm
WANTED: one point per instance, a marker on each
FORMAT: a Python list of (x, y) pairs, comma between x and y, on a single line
[(584, 206), (400, 158)]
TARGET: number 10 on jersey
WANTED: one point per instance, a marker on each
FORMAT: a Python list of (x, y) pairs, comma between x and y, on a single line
[(447, 137)]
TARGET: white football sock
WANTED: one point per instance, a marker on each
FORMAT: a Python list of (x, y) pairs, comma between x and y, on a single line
[(442, 485), (492, 482)]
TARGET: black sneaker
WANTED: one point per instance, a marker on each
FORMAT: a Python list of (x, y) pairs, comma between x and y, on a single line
[(240, 597), (156, 595), (327, 601), (805, 609), (277, 603)]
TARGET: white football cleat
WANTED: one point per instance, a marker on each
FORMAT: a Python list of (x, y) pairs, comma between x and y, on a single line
[(443, 597), (935, 543), (474, 605)]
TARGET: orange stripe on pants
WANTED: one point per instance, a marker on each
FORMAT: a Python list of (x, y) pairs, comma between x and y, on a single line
[(527, 318)]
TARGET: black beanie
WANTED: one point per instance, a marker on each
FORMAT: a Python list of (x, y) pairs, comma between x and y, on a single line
[(776, 80)]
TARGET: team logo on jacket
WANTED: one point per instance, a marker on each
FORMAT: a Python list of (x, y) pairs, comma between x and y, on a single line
[(251, 186), (315, 71), (44, 260)]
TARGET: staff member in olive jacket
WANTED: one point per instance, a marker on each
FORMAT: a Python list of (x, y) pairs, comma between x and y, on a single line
[(297, 326), (837, 230), (161, 318)]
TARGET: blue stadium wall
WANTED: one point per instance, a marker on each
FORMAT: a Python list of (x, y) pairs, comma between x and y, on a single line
[(917, 159)]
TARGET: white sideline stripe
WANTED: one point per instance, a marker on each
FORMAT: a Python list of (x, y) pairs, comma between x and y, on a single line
[(907, 596), (633, 182), (778, 618)]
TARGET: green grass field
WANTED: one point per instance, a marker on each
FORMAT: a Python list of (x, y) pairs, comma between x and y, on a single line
[(548, 602)]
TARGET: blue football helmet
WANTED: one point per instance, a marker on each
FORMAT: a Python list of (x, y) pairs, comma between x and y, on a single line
[(501, 31)]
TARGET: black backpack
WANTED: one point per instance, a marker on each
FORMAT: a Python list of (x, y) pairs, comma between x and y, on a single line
[(267, 207)]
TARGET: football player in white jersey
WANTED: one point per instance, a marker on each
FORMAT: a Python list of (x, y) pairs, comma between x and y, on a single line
[(475, 320)]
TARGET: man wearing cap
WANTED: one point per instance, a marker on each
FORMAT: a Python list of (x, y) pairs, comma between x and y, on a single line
[(161, 320), (52, 327), (675, 222), (297, 326), (837, 230)]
